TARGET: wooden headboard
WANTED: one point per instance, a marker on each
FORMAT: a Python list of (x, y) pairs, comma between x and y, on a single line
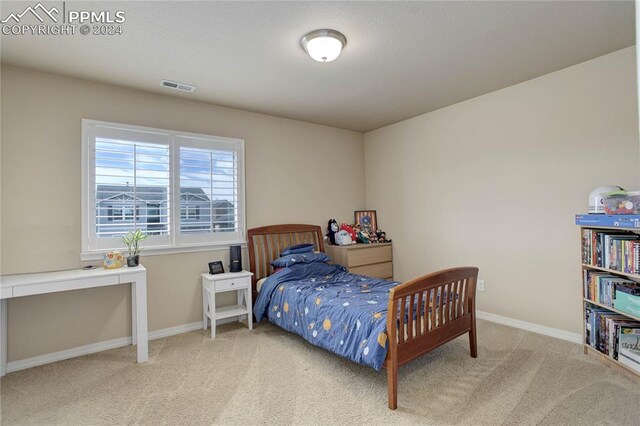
[(266, 243)]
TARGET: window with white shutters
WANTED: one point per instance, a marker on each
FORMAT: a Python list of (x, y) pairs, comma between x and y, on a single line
[(209, 190), (180, 189)]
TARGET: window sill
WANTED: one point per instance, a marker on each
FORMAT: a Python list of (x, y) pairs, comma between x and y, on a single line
[(162, 250)]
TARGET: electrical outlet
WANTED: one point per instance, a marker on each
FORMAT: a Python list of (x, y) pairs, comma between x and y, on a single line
[(480, 285)]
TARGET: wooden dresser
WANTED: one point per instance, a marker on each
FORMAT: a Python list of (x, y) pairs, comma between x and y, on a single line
[(373, 260)]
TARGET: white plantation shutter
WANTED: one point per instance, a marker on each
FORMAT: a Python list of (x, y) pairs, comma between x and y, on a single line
[(179, 189), (210, 185), (130, 186)]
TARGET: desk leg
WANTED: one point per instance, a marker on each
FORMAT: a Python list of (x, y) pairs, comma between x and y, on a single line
[(140, 306), (3, 337), (134, 326)]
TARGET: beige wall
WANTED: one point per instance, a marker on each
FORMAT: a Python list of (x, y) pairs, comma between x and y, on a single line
[(452, 187), (495, 182), (40, 226)]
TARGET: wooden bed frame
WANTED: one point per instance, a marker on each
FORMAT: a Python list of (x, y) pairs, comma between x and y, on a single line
[(408, 337)]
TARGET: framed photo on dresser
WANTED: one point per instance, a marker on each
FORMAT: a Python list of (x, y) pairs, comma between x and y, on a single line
[(367, 219)]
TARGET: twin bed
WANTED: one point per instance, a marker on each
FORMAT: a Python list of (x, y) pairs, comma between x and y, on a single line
[(371, 321)]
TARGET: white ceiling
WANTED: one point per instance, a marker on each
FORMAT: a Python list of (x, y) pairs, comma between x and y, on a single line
[(402, 58)]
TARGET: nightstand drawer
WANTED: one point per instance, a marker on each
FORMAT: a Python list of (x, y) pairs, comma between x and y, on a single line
[(369, 255), (232, 283)]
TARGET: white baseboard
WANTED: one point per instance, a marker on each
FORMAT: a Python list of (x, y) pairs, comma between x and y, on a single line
[(172, 331), (103, 346), (67, 353), (529, 326)]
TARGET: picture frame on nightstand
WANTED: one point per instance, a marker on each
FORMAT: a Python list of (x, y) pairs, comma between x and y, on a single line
[(216, 268)]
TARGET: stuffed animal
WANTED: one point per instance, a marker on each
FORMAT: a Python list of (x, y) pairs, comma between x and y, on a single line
[(356, 228), (343, 238), (382, 236), (350, 230), (363, 237), (332, 228)]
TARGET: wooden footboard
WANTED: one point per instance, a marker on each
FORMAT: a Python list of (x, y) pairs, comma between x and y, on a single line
[(427, 312)]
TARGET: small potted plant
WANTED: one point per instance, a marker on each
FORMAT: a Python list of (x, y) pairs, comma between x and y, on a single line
[(132, 240)]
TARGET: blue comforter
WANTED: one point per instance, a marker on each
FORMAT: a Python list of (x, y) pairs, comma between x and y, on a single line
[(331, 308)]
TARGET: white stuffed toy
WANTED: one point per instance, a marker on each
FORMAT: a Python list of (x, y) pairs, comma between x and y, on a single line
[(343, 238)]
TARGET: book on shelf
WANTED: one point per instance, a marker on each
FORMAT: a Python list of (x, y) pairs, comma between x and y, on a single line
[(601, 287), (628, 300), (605, 330), (611, 250), (624, 221), (629, 353)]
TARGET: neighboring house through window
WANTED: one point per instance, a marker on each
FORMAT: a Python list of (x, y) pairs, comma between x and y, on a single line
[(117, 203), (120, 214), (182, 190), (190, 213)]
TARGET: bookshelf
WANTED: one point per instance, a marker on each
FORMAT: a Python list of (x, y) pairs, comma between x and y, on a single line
[(607, 308)]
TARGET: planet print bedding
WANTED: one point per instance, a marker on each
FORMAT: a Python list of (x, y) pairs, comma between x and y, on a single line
[(331, 308)]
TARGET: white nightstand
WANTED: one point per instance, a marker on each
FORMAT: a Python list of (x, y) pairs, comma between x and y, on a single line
[(231, 281)]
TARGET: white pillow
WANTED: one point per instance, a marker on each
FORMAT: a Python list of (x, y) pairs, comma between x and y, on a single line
[(259, 284)]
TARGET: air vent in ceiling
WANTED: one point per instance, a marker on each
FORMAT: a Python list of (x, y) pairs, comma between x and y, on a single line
[(178, 86)]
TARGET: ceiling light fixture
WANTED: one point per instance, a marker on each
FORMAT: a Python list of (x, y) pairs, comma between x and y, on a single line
[(324, 45)]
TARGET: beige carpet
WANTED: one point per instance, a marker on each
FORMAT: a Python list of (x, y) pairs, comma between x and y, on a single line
[(269, 376)]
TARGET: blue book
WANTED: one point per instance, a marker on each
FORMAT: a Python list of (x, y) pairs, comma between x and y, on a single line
[(623, 221)]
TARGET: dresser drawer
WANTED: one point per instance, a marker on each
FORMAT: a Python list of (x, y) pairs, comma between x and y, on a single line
[(379, 270), (232, 283), (368, 255)]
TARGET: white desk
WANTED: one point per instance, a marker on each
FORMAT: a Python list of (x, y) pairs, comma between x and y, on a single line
[(51, 282)]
